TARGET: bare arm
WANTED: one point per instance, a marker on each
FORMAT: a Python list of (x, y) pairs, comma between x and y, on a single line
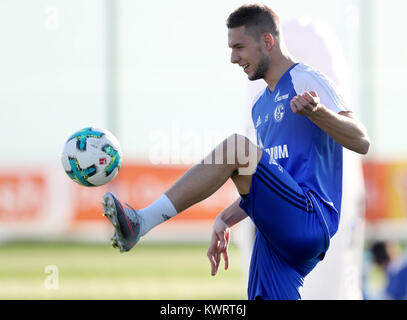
[(343, 127), (220, 235), (233, 214)]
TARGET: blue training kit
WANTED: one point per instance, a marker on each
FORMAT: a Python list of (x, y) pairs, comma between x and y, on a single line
[(296, 191)]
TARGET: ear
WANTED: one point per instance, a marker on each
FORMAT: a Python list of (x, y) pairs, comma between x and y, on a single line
[(268, 40)]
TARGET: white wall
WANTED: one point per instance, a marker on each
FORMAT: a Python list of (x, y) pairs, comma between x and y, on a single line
[(173, 68), (52, 75)]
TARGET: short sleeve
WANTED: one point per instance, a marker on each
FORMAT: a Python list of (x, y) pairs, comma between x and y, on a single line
[(312, 80)]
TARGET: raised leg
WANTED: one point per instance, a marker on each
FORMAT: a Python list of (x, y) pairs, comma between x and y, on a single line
[(236, 158)]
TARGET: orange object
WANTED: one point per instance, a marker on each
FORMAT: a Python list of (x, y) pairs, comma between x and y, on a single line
[(386, 190), (22, 195)]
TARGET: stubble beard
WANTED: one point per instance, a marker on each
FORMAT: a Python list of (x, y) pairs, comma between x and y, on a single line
[(261, 69)]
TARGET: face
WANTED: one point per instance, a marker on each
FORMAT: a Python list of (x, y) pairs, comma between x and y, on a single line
[(247, 53)]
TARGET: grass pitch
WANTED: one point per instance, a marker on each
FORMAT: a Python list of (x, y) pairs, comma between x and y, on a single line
[(83, 271)]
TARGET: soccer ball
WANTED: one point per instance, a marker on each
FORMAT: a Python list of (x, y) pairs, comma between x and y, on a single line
[(92, 157)]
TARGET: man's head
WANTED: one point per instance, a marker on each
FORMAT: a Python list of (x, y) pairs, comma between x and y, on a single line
[(380, 253), (253, 32), (257, 20)]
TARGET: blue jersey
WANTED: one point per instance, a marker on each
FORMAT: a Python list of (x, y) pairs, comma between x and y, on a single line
[(295, 193), (397, 280), (312, 158)]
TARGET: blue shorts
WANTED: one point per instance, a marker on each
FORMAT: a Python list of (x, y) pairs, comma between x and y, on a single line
[(292, 232)]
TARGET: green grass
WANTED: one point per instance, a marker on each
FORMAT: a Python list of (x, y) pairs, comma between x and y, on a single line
[(100, 272)]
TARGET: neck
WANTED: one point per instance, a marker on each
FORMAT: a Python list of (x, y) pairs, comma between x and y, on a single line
[(279, 65)]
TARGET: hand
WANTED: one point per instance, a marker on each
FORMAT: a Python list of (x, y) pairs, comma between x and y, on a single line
[(219, 245), (306, 104)]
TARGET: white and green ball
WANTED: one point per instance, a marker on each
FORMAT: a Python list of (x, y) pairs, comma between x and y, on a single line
[(92, 157)]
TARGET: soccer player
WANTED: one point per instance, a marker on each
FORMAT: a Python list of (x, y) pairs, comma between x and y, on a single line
[(290, 182), (394, 269)]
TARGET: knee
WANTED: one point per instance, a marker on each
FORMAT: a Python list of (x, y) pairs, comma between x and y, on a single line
[(242, 152), (229, 151), (234, 148), (236, 151)]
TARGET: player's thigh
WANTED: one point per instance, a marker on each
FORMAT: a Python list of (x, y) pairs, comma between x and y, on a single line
[(247, 156), (283, 213)]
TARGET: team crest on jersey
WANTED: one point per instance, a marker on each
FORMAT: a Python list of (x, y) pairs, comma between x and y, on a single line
[(279, 112)]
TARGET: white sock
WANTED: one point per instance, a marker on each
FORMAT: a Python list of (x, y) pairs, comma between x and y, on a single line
[(159, 211)]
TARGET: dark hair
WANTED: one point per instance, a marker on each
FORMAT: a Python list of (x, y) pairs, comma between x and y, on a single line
[(256, 18), (380, 253)]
